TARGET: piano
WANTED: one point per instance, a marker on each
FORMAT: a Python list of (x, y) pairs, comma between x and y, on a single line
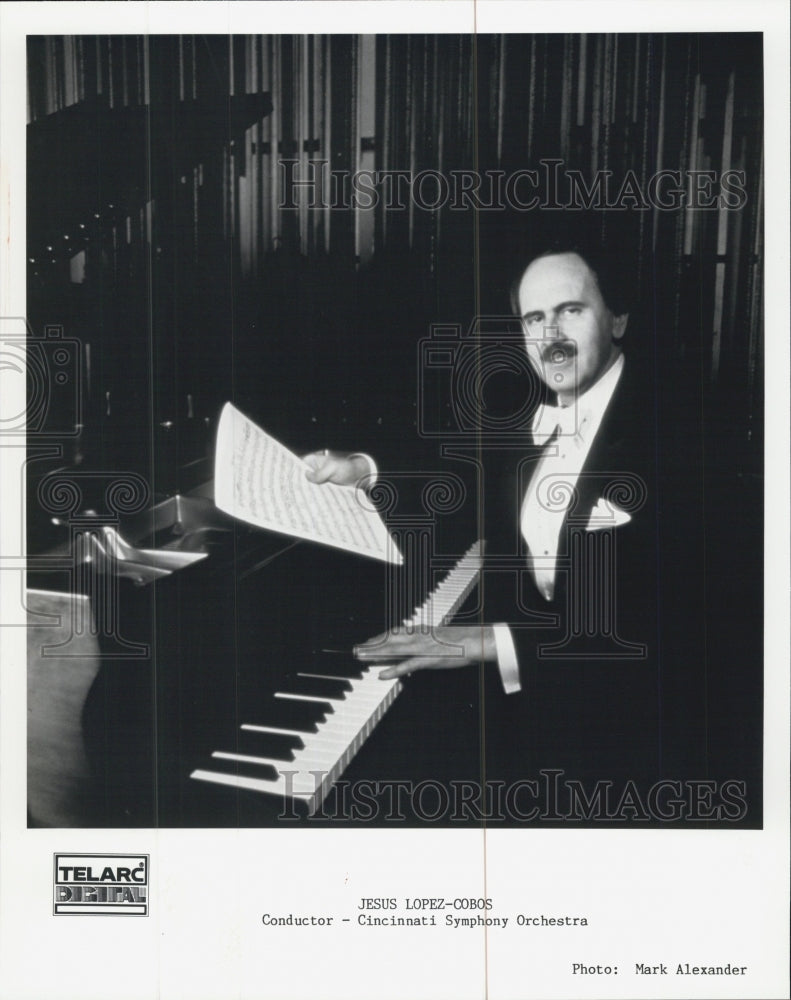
[(321, 720), (246, 705)]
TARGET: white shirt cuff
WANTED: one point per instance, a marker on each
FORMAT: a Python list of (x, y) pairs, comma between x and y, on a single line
[(507, 662)]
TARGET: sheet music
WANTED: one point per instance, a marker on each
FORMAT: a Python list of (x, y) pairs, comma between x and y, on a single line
[(259, 480)]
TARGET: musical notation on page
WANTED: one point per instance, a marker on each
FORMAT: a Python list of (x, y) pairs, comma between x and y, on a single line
[(258, 480)]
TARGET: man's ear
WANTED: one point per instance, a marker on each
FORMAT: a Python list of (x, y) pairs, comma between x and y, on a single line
[(619, 325)]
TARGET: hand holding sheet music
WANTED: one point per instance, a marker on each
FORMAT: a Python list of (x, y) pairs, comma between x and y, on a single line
[(260, 481)]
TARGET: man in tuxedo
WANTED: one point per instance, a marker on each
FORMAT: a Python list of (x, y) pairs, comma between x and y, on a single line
[(593, 641)]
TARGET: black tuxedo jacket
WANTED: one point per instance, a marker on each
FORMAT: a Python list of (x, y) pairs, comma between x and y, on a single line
[(646, 665), (616, 669)]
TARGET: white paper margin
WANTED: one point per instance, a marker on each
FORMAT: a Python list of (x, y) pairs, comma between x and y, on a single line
[(652, 895)]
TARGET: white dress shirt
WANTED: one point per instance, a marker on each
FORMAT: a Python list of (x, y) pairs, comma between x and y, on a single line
[(551, 492)]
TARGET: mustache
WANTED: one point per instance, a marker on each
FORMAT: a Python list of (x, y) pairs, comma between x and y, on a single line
[(558, 351)]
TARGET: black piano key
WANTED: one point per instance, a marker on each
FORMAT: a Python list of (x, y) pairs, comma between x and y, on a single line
[(283, 713), (316, 687), (279, 746)]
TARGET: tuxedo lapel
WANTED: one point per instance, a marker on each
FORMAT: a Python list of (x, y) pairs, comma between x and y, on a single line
[(620, 455)]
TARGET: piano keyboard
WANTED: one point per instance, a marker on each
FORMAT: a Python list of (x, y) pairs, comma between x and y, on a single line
[(321, 726)]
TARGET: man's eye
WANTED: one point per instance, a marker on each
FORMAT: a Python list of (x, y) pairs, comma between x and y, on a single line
[(572, 311)]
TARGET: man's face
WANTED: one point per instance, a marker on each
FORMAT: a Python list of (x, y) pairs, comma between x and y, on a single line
[(572, 337)]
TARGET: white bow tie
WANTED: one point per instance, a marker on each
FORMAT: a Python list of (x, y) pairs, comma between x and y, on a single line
[(550, 418)]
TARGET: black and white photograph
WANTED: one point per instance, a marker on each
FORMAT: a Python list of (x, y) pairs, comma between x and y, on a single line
[(396, 462), (522, 278)]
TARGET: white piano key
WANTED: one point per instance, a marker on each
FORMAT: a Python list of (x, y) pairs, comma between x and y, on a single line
[(244, 758), (303, 697), (251, 727), (326, 677)]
